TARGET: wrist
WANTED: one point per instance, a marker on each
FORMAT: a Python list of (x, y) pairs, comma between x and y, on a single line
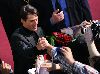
[(89, 42), (49, 47), (56, 66), (71, 62), (93, 50), (91, 45)]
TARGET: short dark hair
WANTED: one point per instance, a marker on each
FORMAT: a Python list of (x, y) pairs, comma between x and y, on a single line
[(26, 10)]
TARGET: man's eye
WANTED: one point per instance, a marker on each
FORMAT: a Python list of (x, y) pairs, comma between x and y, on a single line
[(31, 20)]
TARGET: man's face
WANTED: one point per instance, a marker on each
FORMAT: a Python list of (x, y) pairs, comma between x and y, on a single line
[(31, 22)]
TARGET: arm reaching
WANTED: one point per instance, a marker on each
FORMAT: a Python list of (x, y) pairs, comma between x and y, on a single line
[(78, 68), (90, 43)]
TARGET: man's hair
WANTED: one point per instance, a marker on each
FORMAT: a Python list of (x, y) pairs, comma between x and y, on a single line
[(26, 10)]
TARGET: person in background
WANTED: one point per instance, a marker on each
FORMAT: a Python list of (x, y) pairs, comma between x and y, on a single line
[(60, 14)]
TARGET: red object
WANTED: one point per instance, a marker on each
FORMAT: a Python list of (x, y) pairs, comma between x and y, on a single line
[(46, 57), (5, 49), (62, 39)]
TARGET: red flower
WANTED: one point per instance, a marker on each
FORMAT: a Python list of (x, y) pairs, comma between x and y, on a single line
[(61, 38)]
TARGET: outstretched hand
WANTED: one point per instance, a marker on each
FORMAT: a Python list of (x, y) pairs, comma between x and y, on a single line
[(88, 35), (57, 16), (42, 43), (85, 24), (68, 55)]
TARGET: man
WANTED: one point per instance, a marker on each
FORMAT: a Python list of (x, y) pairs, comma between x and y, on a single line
[(27, 41)]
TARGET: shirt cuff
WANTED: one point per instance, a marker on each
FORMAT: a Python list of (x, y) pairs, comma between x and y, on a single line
[(54, 51)]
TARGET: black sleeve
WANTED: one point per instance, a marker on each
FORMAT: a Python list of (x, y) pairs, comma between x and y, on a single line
[(22, 48), (86, 10)]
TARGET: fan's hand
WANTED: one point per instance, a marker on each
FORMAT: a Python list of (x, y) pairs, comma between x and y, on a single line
[(88, 35)]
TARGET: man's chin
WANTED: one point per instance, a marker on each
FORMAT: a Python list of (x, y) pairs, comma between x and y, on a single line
[(35, 29)]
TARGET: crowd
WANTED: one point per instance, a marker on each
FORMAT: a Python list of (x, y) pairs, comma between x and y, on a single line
[(38, 19)]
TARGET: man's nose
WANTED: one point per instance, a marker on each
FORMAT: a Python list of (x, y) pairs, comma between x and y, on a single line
[(35, 22)]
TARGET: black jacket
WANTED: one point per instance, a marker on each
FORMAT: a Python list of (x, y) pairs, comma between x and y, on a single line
[(23, 43)]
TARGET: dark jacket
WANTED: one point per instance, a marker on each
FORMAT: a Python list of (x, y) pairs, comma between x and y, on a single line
[(23, 43)]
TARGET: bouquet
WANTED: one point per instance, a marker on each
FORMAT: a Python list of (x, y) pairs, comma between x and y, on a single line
[(59, 39)]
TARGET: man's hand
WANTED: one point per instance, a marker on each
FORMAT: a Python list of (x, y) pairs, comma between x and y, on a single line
[(57, 16), (85, 24), (43, 44), (49, 66), (68, 55)]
